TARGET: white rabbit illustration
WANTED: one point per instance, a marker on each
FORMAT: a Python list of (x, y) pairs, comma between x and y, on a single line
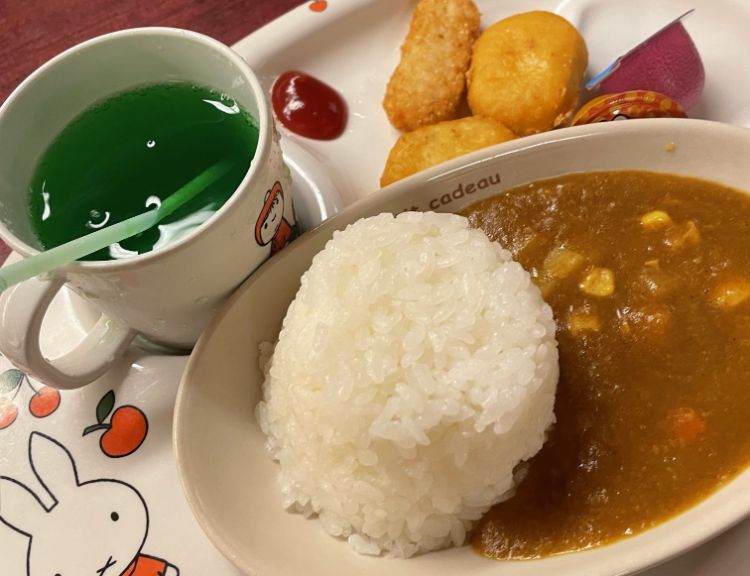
[(93, 528)]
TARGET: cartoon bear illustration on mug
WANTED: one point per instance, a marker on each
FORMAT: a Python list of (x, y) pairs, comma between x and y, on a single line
[(96, 528), (271, 225)]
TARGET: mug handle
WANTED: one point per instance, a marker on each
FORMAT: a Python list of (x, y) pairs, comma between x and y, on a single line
[(22, 310)]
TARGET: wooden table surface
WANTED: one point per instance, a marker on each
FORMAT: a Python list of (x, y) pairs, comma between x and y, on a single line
[(33, 31)]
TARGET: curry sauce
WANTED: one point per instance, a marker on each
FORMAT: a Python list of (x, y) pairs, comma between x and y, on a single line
[(649, 279)]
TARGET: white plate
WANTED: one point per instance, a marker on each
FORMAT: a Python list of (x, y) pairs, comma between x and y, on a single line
[(234, 492)]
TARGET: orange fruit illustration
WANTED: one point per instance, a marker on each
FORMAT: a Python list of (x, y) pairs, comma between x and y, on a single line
[(10, 385), (128, 429), (125, 431), (8, 413), (44, 402)]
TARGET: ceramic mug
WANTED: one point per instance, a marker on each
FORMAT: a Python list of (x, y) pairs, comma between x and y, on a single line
[(167, 295)]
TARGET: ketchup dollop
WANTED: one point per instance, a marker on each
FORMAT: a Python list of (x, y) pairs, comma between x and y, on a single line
[(308, 107)]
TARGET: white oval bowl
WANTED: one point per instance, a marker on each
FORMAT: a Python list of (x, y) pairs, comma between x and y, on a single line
[(228, 478)]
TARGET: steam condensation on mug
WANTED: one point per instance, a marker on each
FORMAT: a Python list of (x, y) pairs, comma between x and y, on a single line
[(125, 154)]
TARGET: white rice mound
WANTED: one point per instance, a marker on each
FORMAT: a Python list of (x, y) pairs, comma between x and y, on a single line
[(416, 368)]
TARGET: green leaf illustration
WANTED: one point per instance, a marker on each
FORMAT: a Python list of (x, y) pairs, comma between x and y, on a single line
[(10, 380), (105, 406)]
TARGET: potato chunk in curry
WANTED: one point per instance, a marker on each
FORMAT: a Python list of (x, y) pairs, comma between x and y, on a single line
[(731, 293), (599, 282)]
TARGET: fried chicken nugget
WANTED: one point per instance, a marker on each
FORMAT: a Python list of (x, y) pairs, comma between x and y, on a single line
[(428, 83), (431, 145), (527, 72)]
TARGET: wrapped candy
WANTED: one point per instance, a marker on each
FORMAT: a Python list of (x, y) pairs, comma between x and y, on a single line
[(628, 105)]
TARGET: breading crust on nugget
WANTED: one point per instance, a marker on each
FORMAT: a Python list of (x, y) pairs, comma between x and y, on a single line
[(527, 72), (431, 145), (430, 79)]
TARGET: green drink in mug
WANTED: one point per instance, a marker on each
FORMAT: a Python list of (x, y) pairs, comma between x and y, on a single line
[(166, 284)]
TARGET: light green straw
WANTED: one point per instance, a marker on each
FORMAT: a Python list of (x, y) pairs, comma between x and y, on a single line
[(66, 253)]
